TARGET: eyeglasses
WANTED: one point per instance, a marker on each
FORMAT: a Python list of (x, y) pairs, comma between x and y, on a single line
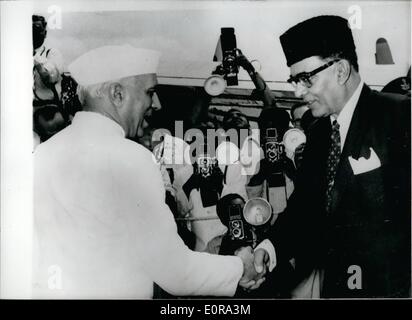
[(304, 78)]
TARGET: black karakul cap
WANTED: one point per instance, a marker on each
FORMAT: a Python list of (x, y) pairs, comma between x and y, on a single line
[(318, 36)]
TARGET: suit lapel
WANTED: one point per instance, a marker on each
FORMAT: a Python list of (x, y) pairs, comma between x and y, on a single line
[(352, 147)]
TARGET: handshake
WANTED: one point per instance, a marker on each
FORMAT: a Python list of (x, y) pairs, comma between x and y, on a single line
[(255, 266)]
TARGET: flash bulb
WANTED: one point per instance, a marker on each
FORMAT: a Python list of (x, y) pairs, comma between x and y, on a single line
[(215, 85)]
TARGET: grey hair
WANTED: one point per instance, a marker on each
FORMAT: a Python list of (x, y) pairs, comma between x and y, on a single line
[(90, 91)]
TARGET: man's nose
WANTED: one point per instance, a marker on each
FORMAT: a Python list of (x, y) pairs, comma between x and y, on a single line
[(300, 90), (156, 105)]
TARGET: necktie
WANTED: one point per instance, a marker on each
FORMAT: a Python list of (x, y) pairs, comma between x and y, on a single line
[(332, 164)]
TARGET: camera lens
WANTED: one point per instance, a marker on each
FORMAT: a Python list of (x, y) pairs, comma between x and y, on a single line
[(236, 224)]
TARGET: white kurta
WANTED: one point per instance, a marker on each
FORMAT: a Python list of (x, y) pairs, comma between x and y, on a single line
[(102, 229)]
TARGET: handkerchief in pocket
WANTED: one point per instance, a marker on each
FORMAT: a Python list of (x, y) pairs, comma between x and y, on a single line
[(363, 165)]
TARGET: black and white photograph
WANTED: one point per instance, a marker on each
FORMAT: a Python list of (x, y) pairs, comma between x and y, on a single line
[(206, 150)]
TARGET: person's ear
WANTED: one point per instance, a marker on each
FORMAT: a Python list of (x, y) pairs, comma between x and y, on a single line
[(343, 69), (117, 94)]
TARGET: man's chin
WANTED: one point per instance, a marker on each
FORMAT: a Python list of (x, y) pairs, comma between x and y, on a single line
[(318, 112)]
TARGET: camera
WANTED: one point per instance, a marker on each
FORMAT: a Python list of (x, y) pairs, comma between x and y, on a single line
[(277, 150), (205, 165), (247, 222), (236, 227), (239, 229), (209, 179), (225, 73), (229, 65), (250, 223), (274, 149)]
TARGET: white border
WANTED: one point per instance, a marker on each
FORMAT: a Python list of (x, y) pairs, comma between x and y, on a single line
[(16, 150)]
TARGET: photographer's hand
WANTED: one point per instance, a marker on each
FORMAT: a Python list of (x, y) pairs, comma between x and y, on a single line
[(39, 59), (47, 70), (261, 88), (242, 61), (299, 155)]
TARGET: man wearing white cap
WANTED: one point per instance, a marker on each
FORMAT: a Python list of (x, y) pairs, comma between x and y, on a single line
[(102, 228)]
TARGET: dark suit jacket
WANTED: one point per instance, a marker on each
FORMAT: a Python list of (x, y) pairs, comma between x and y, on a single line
[(370, 222)]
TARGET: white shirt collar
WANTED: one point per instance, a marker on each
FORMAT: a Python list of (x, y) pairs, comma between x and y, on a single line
[(97, 122), (345, 116)]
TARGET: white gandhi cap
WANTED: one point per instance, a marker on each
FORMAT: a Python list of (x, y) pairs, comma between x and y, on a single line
[(110, 63)]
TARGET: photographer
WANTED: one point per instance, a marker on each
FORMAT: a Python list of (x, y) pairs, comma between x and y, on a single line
[(242, 232), (48, 67), (198, 189), (49, 120), (273, 123), (273, 179)]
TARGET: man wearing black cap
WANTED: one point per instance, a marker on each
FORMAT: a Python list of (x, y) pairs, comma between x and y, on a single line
[(350, 214)]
